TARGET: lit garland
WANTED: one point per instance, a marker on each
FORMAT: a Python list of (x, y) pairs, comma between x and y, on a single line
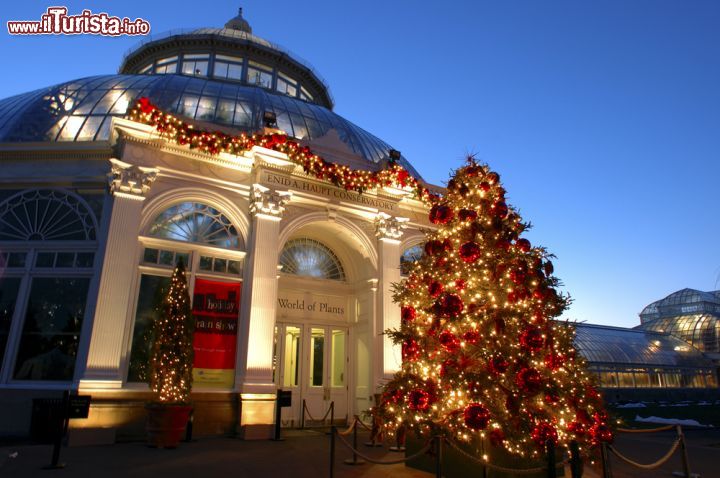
[(213, 143), (482, 356), (172, 349)]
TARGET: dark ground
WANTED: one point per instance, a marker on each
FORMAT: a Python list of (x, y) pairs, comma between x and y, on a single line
[(306, 454)]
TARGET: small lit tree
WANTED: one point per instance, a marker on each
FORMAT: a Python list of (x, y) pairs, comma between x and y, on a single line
[(483, 357), (171, 357)]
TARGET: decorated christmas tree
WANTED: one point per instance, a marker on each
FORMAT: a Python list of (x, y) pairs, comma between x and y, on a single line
[(483, 356), (171, 357)]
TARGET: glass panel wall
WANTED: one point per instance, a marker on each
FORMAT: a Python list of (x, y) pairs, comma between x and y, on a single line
[(317, 357), (152, 290), (51, 330), (9, 287), (337, 361), (291, 357)]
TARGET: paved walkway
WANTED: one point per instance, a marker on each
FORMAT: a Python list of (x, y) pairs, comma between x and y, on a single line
[(303, 454)]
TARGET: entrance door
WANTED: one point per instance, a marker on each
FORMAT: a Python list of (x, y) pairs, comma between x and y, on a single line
[(311, 360)]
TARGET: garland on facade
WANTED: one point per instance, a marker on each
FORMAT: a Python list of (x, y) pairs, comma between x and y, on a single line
[(215, 142)]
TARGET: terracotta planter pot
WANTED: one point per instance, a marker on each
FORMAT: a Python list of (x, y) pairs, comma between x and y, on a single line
[(166, 424)]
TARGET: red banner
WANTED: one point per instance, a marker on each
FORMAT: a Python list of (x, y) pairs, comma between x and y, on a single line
[(215, 308)]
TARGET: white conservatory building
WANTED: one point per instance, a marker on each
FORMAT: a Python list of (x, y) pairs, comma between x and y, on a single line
[(290, 276)]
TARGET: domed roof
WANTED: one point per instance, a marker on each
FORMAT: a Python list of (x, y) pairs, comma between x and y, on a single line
[(683, 302), (81, 110), (239, 23)]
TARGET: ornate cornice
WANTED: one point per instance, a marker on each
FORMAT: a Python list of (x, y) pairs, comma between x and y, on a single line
[(389, 227), (128, 180), (268, 202)]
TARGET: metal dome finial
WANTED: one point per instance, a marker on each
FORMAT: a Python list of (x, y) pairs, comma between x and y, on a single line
[(239, 23)]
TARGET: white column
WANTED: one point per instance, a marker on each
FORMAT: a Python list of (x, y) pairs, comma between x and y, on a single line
[(258, 314), (389, 231), (128, 185)]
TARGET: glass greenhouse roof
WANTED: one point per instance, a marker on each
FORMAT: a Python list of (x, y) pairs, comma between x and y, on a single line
[(81, 110), (683, 302), (614, 345)]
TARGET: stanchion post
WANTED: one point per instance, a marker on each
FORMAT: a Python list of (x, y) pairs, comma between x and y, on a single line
[(683, 452), (189, 427), (605, 460), (355, 445), (332, 451), (302, 418), (332, 412), (278, 416), (575, 460), (551, 466), (438, 456), (354, 460), (61, 425)]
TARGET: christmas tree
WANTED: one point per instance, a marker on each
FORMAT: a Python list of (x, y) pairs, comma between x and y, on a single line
[(483, 358), (172, 350)]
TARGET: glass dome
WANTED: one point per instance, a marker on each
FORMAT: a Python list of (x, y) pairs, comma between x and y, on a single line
[(682, 302), (81, 110), (689, 314)]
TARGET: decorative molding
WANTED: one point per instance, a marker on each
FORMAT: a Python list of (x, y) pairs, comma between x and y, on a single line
[(268, 202), (389, 227), (127, 180)]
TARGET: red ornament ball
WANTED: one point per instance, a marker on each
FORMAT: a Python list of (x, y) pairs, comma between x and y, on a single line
[(433, 248), (528, 380), (498, 365), (476, 416), (407, 313), (467, 215), (531, 339), (601, 433), (470, 252), (471, 336), (449, 341), (577, 428), (410, 350), (496, 437), (518, 276), (544, 432), (493, 178), (441, 214), (554, 360), (552, 398), (419, 400), (452, 305), (500, 209), (435, 289), (523, 245)]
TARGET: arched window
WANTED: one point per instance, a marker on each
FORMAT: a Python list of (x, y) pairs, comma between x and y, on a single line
[(209, 245), (310, 258), (45, 215), (408, 258), (195, 222), (47, 254)]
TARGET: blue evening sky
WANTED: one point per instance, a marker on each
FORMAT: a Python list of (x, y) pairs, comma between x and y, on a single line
[(603, 118)]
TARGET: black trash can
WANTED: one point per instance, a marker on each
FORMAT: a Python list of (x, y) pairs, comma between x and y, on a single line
[(47, 417)]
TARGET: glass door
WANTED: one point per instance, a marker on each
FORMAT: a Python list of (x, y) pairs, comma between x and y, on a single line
[(287, 364), (327, 371), (311, 361)]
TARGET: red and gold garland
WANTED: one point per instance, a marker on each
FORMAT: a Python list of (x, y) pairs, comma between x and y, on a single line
[(213, 143)]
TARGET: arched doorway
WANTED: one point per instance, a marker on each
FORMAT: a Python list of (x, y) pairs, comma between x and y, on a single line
[(323, 308)]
